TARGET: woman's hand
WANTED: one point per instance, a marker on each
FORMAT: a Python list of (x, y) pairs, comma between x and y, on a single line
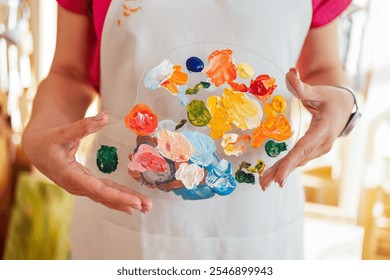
[(330, 108), (53, 151)]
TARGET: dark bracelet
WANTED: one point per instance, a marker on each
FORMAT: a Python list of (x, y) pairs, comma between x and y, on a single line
[(354, 117)]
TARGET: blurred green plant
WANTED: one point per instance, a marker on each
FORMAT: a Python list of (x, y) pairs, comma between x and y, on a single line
[(40, 221)]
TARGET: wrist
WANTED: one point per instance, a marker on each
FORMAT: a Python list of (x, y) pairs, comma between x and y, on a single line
[(355, 114)]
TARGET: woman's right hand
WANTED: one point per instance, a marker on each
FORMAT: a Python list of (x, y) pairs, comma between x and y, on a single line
[(53, 151)]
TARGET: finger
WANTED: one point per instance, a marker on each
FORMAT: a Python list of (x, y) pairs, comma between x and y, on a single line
[(294, 83), (268, 177), (127, 209), (146, 202), (307, 148), (309, 96), (84, 127), (105, 194), (97, 190)]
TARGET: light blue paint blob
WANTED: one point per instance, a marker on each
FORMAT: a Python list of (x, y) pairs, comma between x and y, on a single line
[(204, 147), (183, 97), (220, 178), (214, 160), (159, 74), (197, 193), (166, 124)]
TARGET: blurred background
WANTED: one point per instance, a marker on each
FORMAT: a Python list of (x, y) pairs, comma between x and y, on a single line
[(347, 191)]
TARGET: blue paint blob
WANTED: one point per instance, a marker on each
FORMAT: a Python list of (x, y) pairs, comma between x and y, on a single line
[(195, 64), (220, 179), (183, 98), (197, 193)]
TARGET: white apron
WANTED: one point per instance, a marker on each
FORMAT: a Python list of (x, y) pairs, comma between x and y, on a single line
[(248, 224)]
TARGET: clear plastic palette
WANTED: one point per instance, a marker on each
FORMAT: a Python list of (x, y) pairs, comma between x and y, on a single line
[(209, 118)]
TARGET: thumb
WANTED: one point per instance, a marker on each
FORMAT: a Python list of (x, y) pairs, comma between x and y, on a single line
[(295, 85), (86, 126)]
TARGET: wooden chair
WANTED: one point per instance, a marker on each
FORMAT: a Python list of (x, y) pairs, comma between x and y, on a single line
[(376, 221)]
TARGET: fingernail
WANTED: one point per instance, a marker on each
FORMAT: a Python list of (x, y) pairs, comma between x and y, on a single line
[(293, 69), (99, 116), (281, 185), (138, 207), (264, 188)]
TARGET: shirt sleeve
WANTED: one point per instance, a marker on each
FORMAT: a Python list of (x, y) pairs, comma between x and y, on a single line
[(75, 6), (325, 11)]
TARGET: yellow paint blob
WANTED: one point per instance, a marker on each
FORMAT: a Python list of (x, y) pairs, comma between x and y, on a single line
[(279, 104), (233, 108), (245, 71)]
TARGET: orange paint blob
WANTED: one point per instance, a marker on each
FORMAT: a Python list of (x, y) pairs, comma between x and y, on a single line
[(275, 127), (141, 120), (238, 87), (177, 78), (221, 68), (131, 10)]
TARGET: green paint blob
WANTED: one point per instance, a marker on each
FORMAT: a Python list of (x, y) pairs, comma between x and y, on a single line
[(243, 177), (197, 88), (258, 168), (181, 124), (274, 149), (197, 113), (107, 159), (244, 165)]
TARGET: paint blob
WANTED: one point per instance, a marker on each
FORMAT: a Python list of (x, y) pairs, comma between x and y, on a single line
[(245, 71), (166, 75), (194, 64), (197, 88), (174, 146), (190, 174), (147, 158), (107, 159), (262, 87), (197, 113), (221, 68), (274, 149), (141, 120)]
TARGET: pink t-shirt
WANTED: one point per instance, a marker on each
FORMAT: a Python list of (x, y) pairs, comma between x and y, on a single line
[(324, 11)]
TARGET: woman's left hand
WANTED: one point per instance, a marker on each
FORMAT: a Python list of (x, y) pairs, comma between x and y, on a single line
[(330, 108)]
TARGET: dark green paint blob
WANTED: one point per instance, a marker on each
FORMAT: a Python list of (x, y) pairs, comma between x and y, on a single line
[(197, 88), (197, 113), (274, 149), (107, 159), (181, 124), (243, 177)]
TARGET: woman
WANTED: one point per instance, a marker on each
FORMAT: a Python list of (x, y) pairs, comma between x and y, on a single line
[(250, 224)]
